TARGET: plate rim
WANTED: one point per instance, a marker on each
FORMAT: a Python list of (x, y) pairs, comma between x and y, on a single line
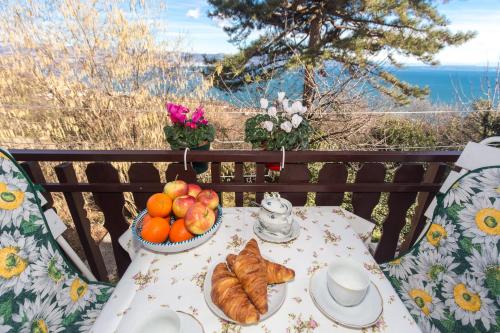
[(284, 240), (329, 316), (207, 295), (194, 318)]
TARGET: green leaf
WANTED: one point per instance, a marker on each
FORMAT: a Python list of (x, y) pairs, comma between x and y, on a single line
[(103, 296), (493, 280), (448, 324), (6, 309), (28, 227), (453, 211), (70, 319)]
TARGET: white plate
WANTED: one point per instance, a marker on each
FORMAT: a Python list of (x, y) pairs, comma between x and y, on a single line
[(275, 238), (276, 295), (189, 323), (169, 247), (363, 315)]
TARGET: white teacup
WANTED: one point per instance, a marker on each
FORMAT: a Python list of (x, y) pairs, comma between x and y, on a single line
[(347, 282), (159, 321)]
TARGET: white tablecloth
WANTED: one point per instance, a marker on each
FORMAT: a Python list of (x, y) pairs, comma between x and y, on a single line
[(175, 281)]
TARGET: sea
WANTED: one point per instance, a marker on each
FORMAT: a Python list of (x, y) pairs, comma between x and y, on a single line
[(456, 86)]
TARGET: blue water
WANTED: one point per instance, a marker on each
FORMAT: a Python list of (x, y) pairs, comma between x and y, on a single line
[(450, 85)]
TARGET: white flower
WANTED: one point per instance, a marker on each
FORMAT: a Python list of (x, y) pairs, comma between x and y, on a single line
[(264, 103), (281, 96), (303, 110), (433, 266), (286, 126), (480, 220), (88, 319), (268, 125), (76, 295), (421, 300), (485, 263), (460, 192), (17, 253), (400, 267), (296, 120), (16, 204), (4, 328), (489, 182), (48, 272), (427, 327), (441, 237), (39, 317), (272, 112), (468, 301), (285, 105), (6, 164), (297, 107)]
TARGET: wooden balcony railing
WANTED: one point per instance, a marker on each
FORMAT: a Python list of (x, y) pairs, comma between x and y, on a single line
[(416, 178)]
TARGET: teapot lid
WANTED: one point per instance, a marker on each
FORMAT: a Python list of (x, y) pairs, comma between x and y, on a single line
[(276, 205)]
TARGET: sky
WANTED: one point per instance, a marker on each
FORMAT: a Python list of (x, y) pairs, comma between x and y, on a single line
[(188, 19)]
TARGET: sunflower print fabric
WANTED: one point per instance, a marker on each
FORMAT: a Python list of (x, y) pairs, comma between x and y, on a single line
[(450, 280), (40, 292)]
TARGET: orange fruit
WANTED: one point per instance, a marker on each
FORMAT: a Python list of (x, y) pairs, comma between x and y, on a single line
[(146, 219), (159, 205), (156, 230), (178, 232)]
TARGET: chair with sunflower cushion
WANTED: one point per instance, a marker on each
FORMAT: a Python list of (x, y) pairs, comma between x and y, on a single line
[(40, 290), (450, 279)]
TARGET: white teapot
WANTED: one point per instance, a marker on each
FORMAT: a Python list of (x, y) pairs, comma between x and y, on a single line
[(275, 214)]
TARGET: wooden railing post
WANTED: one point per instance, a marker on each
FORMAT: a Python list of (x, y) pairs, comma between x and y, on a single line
[(143, 173), (35, 173), (364, 203), (215, 173), (111, 205), (297, 173), (398, 204), (238, 178), (66, 175), (260, 178), (435, 173), (331, 173)]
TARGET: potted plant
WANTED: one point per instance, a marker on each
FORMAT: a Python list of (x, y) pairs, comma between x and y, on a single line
[(189, 130), (280, 125)]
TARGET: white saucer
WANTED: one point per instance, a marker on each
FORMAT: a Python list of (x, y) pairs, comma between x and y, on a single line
[(276, 295), (363, 315), (189, 324), (276, 238)]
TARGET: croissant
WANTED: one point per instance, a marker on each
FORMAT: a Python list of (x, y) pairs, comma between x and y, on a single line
[(276, 273), (252, 273), (251, 248), (227, 293)]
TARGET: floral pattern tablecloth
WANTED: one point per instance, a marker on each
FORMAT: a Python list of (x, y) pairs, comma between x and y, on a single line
[(175, 281)]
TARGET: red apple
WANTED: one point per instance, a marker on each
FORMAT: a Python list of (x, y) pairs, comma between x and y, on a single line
[(194, 190), (181, 205), (199, 218), (175, 189), (209, 198)]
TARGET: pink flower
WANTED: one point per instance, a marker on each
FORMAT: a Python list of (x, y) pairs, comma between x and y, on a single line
[(177, 113), (191, 124), (312, 323), (198, 114), (171, 107)]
